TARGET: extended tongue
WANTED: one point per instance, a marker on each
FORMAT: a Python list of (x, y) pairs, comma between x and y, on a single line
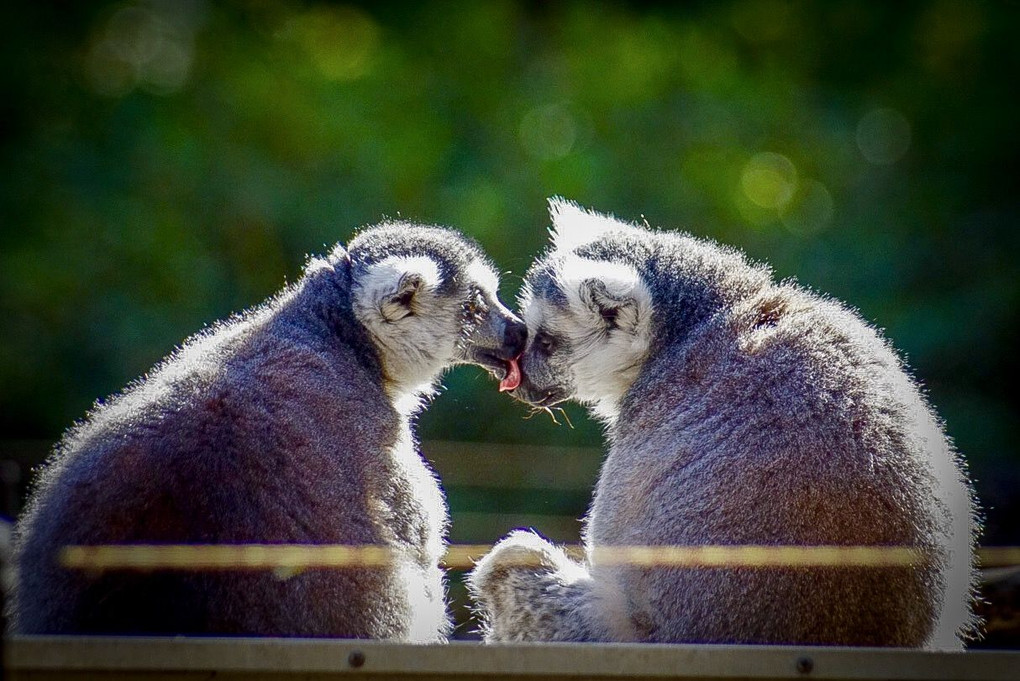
[(512, 378)]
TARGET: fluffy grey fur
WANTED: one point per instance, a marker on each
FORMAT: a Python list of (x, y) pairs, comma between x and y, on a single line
[(290, 423), (740, 411)]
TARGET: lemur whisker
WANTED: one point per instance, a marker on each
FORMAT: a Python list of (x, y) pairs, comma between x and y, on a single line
[(563, 413)]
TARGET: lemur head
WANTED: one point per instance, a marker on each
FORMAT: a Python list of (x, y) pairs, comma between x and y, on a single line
[(428, 299), (607, 295), (588, 317)]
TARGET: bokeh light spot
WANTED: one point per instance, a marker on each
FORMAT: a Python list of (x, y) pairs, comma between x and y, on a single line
[(548, 132), (168, 71), (341, 41), (751, 213), (883, 136), (135, 34), (769, 180), (141, 44), (107, 74)]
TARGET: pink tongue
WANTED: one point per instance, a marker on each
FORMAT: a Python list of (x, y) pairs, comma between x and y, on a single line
[(512, 378)]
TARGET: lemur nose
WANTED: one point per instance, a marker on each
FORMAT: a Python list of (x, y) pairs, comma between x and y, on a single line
[(515, 336)]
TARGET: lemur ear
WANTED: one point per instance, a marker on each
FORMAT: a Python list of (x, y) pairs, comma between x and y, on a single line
[(616, 309), (613, 292), (395, 286), (400, 302)]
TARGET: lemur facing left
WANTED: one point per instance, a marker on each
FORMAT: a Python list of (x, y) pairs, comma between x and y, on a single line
[(290, 423), (739, 411)]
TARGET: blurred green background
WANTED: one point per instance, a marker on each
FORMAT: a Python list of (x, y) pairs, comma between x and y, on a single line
[(165, 163)]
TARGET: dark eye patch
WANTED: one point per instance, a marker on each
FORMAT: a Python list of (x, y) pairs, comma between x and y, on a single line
[(544, 285)]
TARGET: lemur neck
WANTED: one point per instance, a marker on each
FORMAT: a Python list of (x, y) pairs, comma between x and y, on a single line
[(606, 410), (409, 398), (319, 305)]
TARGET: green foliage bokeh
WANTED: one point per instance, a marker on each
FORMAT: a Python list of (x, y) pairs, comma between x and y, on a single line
[(168, 163)]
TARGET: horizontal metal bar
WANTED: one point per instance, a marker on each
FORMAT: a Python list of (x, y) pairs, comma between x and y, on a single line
[(165, 658), (313, 556)]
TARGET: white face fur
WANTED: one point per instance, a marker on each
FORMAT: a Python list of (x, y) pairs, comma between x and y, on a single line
[(591, 346), (417, 330)]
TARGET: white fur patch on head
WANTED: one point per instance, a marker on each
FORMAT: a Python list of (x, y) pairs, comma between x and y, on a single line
[(385, 280), (609, 327), (414, 330), (574, 226), (482, 274), (532, 307), (577, 275)]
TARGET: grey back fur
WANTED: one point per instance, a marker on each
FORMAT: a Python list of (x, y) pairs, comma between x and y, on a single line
[(291, 423), (757, 413)]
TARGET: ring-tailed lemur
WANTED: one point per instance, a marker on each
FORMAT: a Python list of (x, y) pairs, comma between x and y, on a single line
[(290, 423), (740, 411)]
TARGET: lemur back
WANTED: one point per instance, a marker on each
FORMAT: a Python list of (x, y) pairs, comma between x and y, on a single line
[(291, 423)]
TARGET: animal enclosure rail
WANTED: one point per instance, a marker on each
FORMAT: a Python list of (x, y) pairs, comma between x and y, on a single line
[(163, 659), (462, 557)]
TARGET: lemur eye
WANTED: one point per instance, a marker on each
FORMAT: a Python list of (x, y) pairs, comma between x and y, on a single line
[(475, 305), (545, 342)]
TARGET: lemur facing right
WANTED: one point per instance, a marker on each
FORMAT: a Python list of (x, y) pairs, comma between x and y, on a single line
[(740, 411), (289, 424)]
